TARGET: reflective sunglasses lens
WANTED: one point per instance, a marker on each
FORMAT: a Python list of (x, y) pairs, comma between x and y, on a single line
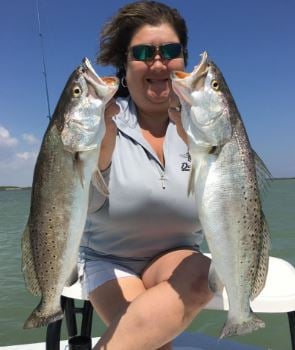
[(143, 52), (170, 51)]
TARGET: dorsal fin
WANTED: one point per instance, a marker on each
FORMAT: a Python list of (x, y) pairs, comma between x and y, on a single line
[(263, 175)]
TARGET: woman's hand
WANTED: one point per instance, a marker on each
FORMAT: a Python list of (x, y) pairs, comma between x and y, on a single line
[(109, 140), (174, 112)]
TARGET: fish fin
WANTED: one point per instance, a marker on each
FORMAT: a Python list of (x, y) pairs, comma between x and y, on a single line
[(196, 169), (40, 319), (192, 180), (262, 266), (78, 166), (99, 183), (263, 175), (215, 283), (28, 266), (73, 277), (249, 325)]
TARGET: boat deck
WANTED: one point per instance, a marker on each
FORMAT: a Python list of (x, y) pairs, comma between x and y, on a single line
[(186, 341)]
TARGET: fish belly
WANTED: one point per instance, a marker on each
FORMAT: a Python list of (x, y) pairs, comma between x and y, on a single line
[(224, 215)]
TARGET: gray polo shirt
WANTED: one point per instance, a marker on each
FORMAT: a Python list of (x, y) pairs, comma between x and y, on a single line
[(148, 210)]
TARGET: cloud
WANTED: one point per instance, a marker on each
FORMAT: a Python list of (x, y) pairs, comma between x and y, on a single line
[(30, 139), (17, 169), (27, 155), (17, 158), (6, 139)]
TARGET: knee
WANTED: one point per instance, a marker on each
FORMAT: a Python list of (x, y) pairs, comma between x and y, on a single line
[(190, 280), (197, 296), (199, 291)]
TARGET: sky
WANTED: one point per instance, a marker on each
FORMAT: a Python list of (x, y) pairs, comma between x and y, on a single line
[(252, 42)]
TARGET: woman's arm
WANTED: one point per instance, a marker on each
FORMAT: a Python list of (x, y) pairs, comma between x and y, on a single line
[(175, 116)]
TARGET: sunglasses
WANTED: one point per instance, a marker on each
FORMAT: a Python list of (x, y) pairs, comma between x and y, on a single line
[(148, 52)]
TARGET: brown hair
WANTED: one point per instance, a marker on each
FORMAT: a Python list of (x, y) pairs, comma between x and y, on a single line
[(118, 32)]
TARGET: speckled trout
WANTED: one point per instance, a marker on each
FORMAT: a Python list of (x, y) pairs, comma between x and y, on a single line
[(66, 163), (225, 181)]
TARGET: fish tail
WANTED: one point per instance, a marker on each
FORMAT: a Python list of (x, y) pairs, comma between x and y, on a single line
[(232, 328), (39, 319)]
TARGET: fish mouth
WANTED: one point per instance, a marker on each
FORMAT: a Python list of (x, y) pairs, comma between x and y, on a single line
[(101, 86), (185, 83), (190, 79), (202, 67)]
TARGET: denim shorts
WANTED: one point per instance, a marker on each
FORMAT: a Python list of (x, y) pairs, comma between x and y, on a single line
[(95, 272)]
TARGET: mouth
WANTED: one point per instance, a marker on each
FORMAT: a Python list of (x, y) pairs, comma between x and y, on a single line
[(158, 87), (157, 80)]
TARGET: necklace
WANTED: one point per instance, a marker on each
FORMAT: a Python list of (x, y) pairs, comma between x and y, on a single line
[(163, 179), (155, 142), (161, 173)]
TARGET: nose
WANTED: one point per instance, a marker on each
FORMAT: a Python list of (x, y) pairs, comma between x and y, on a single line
[(158, 55), (158, 63)]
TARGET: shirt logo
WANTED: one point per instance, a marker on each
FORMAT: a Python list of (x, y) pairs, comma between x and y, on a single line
[(186, 164)]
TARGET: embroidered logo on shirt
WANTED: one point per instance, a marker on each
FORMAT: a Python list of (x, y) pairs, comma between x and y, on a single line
[(186, 165)]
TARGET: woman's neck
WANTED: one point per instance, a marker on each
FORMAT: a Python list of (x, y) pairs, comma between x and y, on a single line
[(154, 123)]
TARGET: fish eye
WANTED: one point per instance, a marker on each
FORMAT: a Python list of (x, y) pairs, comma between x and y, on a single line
[(77, 91), (215, 85)]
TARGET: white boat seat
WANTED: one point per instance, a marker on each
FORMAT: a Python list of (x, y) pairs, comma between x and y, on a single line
[(278, 295)]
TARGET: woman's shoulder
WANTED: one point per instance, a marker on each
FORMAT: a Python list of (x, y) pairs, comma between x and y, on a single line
[(124, 103), (127, 116)]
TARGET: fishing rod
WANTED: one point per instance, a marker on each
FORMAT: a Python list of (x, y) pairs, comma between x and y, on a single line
[(43, 59)]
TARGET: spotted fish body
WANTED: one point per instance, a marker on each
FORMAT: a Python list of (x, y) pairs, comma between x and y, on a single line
[(225, 183), (66, 163)]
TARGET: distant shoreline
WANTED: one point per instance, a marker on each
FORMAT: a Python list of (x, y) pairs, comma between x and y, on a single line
[(13, 188), (17, 188)]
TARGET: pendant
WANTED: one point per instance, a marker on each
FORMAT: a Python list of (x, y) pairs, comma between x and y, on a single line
[(163, 179)]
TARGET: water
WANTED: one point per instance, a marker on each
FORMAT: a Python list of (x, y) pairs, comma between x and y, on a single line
[(16, 303)]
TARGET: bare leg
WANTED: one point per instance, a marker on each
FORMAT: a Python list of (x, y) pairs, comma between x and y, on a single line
[(172, 291), (112, 298)]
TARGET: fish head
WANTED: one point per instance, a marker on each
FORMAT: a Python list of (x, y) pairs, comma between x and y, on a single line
[(79, 115), (202, 94)]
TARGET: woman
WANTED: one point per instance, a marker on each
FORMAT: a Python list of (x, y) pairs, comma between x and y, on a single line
[(144, 274)]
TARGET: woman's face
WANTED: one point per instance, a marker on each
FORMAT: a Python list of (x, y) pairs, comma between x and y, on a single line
[(149, 82)]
